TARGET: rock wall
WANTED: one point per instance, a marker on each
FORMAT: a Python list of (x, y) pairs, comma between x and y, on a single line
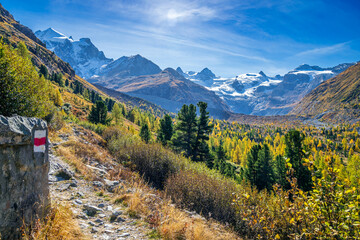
[(24, 166)]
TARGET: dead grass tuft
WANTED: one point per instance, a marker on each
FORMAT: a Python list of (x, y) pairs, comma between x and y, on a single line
[(80, 167), (60, 224)]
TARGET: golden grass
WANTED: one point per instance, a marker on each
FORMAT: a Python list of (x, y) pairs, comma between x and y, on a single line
[(54, 135), (160, 214), (60, 224), (79, 152), (70, 157)]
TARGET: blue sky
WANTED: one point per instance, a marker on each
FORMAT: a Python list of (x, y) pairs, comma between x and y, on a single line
[(229, 37)]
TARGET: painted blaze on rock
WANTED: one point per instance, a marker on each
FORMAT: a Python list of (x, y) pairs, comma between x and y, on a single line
[(24, 166), (40, 141)]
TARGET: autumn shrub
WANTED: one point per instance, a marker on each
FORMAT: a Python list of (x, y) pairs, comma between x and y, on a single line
[(98, 128), (198, 191), (22, 91), (154, 162), (57, 120)]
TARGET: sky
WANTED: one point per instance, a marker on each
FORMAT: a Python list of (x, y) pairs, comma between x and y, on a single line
[(229, 37)]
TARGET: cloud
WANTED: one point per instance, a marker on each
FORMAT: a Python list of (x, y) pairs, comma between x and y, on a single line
[(324, 50), (211, 46)]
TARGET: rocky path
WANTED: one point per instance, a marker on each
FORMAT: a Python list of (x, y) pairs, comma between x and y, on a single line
[(92, 202)]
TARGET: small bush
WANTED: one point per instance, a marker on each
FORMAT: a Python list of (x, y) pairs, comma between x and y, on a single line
[(153, 161), (206, 194), (98, 128), (57, 121)]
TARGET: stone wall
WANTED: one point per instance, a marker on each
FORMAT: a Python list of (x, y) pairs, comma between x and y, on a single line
[(24, 189)]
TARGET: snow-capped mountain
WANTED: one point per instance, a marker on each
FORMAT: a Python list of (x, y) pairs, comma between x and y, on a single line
[(259, 94), (82, 55), (205, 77), (90, 63)]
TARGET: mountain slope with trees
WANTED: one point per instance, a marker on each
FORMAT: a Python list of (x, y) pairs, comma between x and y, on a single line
[(170, 90), (336, 98)]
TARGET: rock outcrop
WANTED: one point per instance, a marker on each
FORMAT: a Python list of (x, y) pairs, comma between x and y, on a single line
[(24, 167)]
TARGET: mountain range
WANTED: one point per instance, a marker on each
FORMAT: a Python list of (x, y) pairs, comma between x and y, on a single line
[(249, 93)]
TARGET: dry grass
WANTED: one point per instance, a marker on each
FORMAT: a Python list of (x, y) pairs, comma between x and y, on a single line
[(80, 106), (80, 166), (54, 135), (169, 221), (60, 224), (83, 150)]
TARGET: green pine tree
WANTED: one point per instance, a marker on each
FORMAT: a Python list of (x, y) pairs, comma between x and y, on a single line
[(145, 133), (200, 151), (280, 172), (98, 113), (264, 169), (185, 130), (295, 152), (166, 130), (251, 164), (220, 158)]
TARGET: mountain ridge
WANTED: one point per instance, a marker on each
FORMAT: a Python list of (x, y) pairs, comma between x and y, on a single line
[(337, 97), (170, 90)]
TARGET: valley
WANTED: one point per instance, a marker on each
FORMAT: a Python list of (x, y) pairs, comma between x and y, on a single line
[(134, 151)]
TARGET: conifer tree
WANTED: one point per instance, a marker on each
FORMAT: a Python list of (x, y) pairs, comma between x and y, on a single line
[(98, 113), (264, 169), (251, 164), (259, 170), (294, 151), (280, 171), (145, 133), (220, 159), (44, 71), (200, 149), (166, 129), (185, 130)]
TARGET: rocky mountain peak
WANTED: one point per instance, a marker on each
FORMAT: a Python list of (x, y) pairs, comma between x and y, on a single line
[(173, 72), (179, 70), (262, 74), (307, 67), (4, 12), (205, 75), (82, 55)]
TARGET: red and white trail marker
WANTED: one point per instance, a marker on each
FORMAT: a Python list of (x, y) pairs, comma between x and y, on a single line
[(40, 141)]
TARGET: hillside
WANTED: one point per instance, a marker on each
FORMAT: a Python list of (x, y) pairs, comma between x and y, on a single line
[(133, 101), (170, 90), (13, 32), (336, 98)]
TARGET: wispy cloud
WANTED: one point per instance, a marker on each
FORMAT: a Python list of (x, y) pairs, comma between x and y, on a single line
[(324, 50), (237, 50)]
